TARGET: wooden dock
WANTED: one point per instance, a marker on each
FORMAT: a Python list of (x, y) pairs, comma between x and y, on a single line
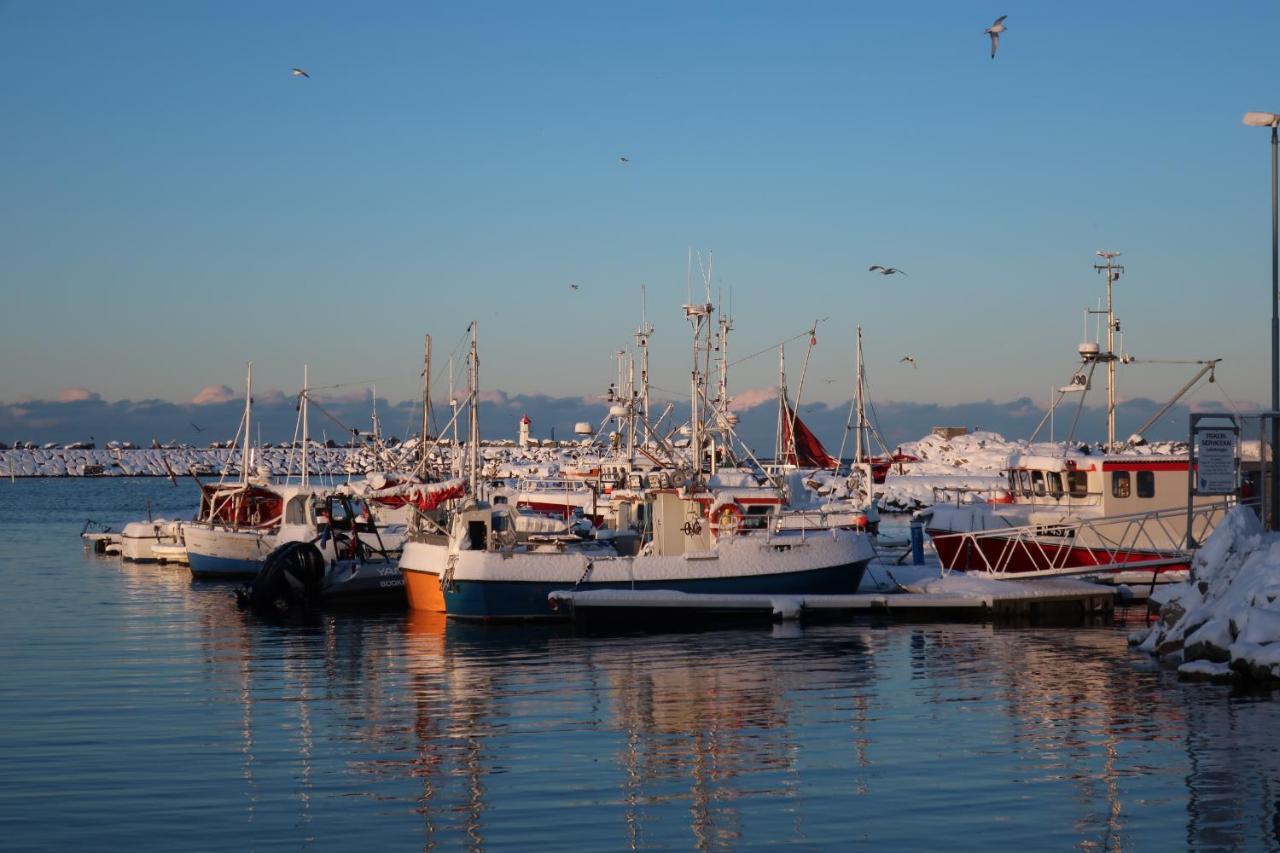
[(1043, 602)]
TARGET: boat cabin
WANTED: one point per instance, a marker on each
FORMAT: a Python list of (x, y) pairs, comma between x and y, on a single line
[(1116, 484)]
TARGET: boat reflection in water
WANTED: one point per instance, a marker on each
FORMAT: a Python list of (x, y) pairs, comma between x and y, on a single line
[(412, 729)]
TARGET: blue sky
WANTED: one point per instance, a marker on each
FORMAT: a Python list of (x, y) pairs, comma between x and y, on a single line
[(177, 203)]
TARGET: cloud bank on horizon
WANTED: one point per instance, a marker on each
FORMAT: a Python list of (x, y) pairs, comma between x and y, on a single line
[(79, 414)]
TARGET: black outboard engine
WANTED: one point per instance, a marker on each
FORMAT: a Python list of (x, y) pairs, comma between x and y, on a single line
[(289, 578)]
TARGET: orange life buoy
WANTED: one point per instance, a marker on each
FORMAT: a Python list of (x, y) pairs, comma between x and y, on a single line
[(727, 521)]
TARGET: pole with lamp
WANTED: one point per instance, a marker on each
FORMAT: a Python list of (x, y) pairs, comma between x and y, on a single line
[(1272, 120)]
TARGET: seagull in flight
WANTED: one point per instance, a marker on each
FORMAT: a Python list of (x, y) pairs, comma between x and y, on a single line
[(994, 31), (623, 160), (910, 359), (298, 72), (193, 426), (884, 270), (573, 287)]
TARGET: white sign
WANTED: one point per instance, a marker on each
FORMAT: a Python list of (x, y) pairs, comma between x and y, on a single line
[(1216, 462)]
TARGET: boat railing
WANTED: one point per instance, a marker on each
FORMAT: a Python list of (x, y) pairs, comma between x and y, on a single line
[(945, 494), (1163, 537), (551, 485), (804, 522)]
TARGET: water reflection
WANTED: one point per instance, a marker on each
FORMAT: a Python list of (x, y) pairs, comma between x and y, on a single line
[(356, 729)]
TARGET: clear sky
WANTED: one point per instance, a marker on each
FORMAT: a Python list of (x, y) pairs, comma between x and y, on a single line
[(176, 203)]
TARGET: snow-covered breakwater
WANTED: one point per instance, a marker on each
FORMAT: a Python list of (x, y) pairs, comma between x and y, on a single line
[(1223, 624), (158, 463)]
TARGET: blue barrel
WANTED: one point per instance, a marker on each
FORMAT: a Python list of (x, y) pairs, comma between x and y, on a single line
[(917, 542)]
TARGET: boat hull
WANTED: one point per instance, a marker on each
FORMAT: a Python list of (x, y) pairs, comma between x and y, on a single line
[(139, 538), (492, 585), (221, 553), (1040, 555)]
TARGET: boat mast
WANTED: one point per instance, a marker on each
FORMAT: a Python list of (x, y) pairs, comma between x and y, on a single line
[(642, 341), (858, 447), (426, 408), (455, 457), (1113, 271), (780, 452), (473, 431), (246, 452), (306, 435)]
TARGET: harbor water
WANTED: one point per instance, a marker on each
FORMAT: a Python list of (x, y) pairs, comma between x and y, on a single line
[(142, 710)]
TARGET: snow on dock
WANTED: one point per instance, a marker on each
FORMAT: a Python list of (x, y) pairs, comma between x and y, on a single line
[(951, 598)]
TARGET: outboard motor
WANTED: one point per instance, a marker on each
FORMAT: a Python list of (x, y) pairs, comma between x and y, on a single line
[(290, 577)]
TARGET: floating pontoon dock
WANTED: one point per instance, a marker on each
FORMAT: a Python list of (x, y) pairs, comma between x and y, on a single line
[(1048, 601)]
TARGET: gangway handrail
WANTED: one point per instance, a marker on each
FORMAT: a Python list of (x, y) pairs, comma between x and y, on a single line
[(1050, 544)]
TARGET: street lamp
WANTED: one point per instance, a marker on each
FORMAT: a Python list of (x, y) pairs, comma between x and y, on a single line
[(1272, 121)]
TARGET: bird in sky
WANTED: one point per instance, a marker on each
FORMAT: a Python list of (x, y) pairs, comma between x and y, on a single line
[(908, 358), (573, 287), (994, 31), (298, 72), (623, 160), (193, 426), (884, 270)]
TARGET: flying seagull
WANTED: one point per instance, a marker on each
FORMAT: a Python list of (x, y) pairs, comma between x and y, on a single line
[(623, 160), (573, 287), (994, 31), (193, 426), (908, 358), (884, 270), (298, 72)]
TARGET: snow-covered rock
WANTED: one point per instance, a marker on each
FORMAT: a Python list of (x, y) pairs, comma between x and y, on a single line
[(1228, 614)]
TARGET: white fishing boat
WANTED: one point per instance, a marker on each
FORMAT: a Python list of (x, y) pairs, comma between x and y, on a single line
[(681, 535), (239, 524)]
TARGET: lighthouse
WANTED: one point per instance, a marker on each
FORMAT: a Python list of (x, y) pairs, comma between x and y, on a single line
[(525, 423)]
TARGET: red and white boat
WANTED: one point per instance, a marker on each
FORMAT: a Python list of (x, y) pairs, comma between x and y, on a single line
[(1124, 511), (1065, 515)]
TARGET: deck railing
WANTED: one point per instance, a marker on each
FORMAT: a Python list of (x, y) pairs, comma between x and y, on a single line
[(1160, 537)]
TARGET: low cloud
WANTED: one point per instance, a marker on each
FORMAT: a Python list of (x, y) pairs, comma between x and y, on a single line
[(215, 412), (212, 395), (75, 395), (752, 397)]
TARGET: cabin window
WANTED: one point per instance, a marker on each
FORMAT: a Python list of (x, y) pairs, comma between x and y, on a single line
[(1055, 483), (1024, 479), (1037, 482), (1078, 484), (1013, 482), (1146, 484), (1120, 484)]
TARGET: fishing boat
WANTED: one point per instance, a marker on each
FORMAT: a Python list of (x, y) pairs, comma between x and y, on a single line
[(1122, 513), (680, 534), (240, 523)]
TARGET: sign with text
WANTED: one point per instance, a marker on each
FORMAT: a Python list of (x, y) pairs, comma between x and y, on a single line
[(1215, 461)]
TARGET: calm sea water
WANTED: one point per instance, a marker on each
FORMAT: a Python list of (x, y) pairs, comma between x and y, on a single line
[(140, 710)]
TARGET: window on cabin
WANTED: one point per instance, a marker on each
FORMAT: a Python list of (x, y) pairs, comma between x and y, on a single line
[(1055, 484), (1078, 484), (1146, 484), (1013, 482), (1037, 482), (1024, 482), (1120, 484)]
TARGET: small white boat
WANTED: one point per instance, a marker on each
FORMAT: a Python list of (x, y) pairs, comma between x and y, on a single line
[(138, 539)]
